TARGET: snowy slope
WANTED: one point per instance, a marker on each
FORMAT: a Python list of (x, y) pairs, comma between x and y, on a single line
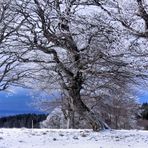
[(45, 138)]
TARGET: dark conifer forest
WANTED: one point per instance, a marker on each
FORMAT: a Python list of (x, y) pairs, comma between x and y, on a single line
[(144, 111), (23, 120)]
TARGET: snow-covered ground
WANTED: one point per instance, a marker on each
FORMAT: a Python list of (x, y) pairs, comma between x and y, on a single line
[(45, 138)]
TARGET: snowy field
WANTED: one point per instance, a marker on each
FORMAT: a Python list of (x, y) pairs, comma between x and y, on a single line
[(45, 138)]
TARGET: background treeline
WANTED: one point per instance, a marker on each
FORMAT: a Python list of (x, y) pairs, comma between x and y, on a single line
[(144, 113), (143, 118), (23, 120)]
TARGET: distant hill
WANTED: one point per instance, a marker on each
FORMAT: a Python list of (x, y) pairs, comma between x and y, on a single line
[(23, 120)]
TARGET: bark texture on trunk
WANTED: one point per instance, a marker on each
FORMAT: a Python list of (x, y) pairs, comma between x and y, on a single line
[(81, 108)]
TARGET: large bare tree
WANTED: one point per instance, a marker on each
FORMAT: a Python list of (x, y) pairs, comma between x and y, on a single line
[(82, 48), (57, 32)]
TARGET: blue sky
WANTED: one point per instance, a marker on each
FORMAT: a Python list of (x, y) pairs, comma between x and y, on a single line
[(16, 103), (19, 102), (143, 97)]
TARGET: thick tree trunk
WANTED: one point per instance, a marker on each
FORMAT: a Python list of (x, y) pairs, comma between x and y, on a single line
[(81, 108)]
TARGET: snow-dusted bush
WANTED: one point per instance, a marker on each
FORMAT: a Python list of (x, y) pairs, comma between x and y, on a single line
[(54, 120), (120, 112), (57, 119)]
